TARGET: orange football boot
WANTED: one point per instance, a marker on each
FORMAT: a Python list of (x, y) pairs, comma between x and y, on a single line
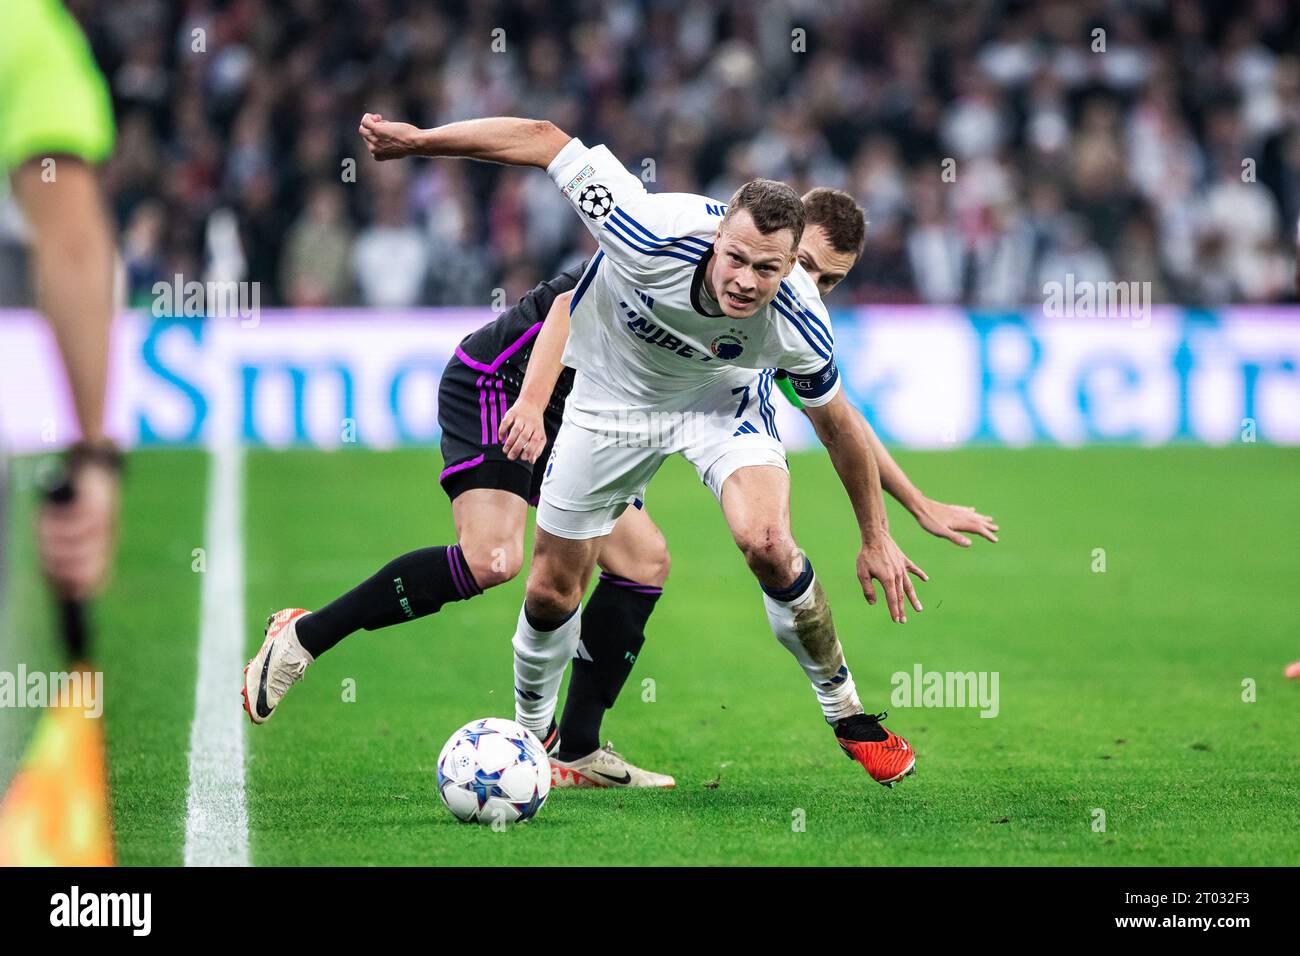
[(883, 754)]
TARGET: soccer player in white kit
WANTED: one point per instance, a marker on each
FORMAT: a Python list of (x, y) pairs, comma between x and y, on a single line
[(675, 330)]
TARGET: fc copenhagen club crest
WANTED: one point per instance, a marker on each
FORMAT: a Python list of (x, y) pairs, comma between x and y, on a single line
[(727, 346)]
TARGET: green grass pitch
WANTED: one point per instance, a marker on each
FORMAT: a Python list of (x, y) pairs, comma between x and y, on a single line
[(1120, 691)]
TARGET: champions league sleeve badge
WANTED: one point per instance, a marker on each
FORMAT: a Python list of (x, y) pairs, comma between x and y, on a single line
[(596, 201)]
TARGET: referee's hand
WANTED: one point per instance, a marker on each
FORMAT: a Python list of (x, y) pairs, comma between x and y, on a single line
[(522, 432), (76, 538)]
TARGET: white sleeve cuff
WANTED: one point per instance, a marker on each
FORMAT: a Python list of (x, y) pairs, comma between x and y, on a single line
[(572, 150)]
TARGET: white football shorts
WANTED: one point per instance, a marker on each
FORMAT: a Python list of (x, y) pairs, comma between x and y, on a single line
[(605, 454)]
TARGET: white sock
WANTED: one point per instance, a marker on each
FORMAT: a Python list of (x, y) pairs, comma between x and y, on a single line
[(540, 659), (818, 650)]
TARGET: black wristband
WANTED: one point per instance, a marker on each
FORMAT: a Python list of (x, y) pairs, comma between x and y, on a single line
[(83, 453)]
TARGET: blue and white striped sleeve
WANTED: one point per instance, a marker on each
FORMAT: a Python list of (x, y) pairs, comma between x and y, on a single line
[(812, 370), (636, 230)]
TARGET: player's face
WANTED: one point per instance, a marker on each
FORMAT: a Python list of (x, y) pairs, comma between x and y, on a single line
[(748, 266), (821, 261)]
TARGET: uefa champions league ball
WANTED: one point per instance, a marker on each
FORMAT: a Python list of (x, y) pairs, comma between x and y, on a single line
[(493, 771), (595, 201)]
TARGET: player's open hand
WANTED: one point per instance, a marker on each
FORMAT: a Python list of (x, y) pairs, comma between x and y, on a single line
[(949, 521), (523, 431), (76, 539), (385, 139), (886, 563)]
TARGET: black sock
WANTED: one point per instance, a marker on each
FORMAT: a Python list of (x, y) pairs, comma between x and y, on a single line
[(416, 584), (613, 630)]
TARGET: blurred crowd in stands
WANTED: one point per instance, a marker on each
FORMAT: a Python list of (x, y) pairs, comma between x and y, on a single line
[(995, 145)]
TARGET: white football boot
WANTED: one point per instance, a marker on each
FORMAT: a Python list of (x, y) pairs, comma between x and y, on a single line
[(277, 666), (606, 767)]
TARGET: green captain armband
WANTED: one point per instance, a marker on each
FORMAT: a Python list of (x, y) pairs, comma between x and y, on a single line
[(783, 383)]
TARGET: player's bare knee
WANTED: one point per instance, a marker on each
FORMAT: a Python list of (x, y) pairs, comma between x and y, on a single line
[(649, 563), (548, 601), (656, 565), (493, 562), (769, 551)]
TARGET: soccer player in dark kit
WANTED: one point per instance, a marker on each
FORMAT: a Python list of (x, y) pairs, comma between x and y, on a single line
[(490, 495)]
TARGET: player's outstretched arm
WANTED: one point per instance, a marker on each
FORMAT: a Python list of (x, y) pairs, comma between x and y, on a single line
[(879, 558), (523, 429), (495, 139), (940, 519)]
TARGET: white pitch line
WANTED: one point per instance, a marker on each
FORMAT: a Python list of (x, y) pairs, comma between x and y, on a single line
[(216, 824)]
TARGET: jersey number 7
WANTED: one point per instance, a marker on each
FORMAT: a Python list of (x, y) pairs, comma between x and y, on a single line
[(743, 391)]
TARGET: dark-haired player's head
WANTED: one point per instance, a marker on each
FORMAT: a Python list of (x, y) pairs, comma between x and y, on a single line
[(835, 230), (755, 246)]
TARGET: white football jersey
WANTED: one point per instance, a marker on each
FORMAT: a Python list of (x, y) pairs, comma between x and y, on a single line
[(641, 327)]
